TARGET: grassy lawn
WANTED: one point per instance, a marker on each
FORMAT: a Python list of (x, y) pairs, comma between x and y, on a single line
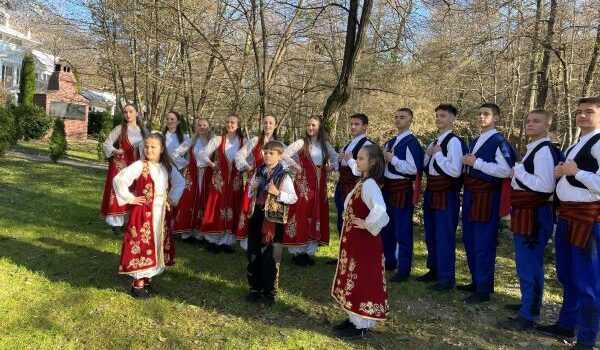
[(82, 150), (60, 287)]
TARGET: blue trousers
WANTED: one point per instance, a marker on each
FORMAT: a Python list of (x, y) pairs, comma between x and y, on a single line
[(397, 235), (339, 205), (529, 259), (440, 237), (578, 270), (480, 240)]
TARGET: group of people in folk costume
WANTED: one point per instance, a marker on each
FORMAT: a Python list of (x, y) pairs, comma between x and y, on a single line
[(376, 193)]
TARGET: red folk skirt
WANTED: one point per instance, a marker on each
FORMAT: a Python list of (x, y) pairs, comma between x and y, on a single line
[(116, 163), (359, 284), (185, 216)]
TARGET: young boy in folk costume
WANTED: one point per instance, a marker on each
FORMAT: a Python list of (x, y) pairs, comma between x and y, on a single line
[(148, 243), (348, 177), (404, 165), (441, 202), (308, 224), (271, 191), (129, 136), (188, 215), (577, 240), (249, 158), (177, 141), (225, 188), (359, 283), (486, 198), (532, 219)]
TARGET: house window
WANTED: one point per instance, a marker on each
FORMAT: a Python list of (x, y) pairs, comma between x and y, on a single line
[(18, 75), (7, 75)]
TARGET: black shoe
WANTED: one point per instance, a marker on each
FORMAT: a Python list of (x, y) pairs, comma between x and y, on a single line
[(557, 331), (308, 260), (439, 288), (297, 260), (579, 346), (430, 276), (399, 278), (351, 332), (117, 230), (226, 249), (518, 324), (140, 293), (391, 266), (513, 307), (253, 297), (343, 325), (477, 298), (332, 262), (150, 290), (212, 247), (466, 287)]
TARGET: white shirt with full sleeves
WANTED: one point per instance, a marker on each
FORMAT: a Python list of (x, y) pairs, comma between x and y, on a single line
[(316, 154), (542, 179), (406, 166), (231, 148), (134, 135), (371, 195), (177, 151), (566, 192), (159, 175), (287, 193), (500, 168), (352, 162), (451, 163)]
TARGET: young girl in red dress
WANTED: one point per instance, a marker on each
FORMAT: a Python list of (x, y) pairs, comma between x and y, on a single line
[(308, 223), (225, 188), (359, 284), (189, 211), (249, 158), (128, 136), (148, 243)]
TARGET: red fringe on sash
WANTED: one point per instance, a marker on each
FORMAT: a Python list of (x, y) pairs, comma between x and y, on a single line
[(524, 205), (581, 217), (397, 189), (481, 207)]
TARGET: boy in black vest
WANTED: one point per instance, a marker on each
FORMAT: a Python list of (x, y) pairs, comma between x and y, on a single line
[(532, 219), (404, 165), (577, 237), (441, 204), (272, 190)]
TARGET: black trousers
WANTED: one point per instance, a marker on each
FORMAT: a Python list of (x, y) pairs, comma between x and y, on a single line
[(263, 260)]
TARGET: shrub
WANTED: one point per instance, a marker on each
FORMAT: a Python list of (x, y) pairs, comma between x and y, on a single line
[(8, 129), (27, 85), (95, 120), (105, 129), (32, 122), (58, 140)]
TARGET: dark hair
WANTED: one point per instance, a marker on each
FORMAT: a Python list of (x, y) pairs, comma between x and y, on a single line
[(593, 100), (238, 131), (138, 121), (448, 108), (321, 139), (494, 107), (178, 131), (549, 115), (363, 117), (407, 110), (273, 145), (164, 155), (196, 133), (377, 162), (262, 131)]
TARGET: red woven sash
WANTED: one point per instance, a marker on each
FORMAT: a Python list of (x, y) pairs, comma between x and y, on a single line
[(397, 189), (524, 204), (481, 206), (581, 217), (438, 186), (347, 181)]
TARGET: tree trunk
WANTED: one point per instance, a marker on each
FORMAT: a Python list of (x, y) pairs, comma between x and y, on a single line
[(543, 91)]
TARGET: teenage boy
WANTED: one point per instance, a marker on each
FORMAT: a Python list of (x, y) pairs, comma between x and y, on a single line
[(485, 200), (532, 219), (443, 166), (404, 165), (577, 240)]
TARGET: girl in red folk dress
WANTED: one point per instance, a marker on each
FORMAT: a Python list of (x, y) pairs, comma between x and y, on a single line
[(225, 188), (191, 206), (359, 284), (249, 158), (148, 242), (308, 223), (177, 141), (128, 136)]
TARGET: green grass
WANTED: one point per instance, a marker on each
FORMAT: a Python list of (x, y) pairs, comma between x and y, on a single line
[(80, 149), (60, 287)]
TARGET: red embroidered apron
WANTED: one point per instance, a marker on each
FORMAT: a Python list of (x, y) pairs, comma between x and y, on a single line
[(186, 213), (116, 163), (242, 229)]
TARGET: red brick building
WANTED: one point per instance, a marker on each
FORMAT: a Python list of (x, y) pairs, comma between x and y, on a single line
[(62, 100)]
